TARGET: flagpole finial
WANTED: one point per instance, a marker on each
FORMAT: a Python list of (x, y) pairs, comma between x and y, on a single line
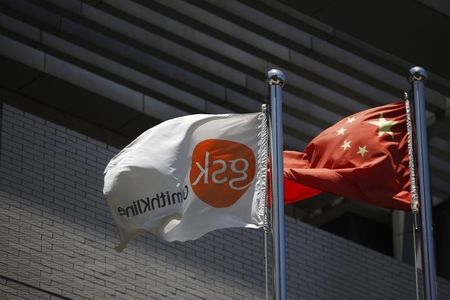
[(417, 74), (275, 77)]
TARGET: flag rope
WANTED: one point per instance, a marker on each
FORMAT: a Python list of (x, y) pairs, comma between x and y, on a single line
[(412, 173), (261, 183), (415, 254), (266, 261)]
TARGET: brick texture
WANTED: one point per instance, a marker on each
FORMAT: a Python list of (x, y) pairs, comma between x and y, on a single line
[(57, 238)]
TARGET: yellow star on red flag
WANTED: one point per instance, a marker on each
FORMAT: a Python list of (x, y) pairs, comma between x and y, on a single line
[(384, 126)]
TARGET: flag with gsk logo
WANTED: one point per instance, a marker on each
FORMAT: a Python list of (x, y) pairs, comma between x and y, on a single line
[(190, 175)]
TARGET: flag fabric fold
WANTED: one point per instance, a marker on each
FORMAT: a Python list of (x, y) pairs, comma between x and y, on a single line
[(188, 176), (362, 157)]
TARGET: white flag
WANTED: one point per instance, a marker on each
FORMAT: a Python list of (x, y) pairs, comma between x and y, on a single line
[(188, 176)]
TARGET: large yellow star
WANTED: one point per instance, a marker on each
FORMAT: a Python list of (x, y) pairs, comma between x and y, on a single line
[(384, 126)]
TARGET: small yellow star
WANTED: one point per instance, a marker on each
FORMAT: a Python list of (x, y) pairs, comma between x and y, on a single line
[(341, 131), (346, 145), (362, 151), (384, 126), (350, 119)]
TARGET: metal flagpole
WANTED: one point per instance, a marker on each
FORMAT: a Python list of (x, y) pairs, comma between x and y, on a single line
[(417, 78), (275, 80)]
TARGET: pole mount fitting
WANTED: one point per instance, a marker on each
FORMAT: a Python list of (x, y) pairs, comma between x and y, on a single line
[(417, 74), (275, 77)]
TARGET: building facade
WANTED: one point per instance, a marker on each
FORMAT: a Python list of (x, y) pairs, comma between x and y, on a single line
[(81, 79)]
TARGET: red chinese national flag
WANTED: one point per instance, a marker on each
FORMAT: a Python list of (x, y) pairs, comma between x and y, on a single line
[(362, 157)]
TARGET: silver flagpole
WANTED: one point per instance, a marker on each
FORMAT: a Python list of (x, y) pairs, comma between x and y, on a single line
[(417, 77), (275, 80)]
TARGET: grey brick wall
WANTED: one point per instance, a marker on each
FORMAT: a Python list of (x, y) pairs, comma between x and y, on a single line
[(57, 238)]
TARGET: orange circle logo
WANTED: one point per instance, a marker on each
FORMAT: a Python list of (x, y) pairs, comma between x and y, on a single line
[(221, 171)]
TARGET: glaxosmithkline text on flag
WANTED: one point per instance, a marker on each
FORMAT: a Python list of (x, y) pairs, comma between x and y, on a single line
[(190, 175), (147, 204)]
